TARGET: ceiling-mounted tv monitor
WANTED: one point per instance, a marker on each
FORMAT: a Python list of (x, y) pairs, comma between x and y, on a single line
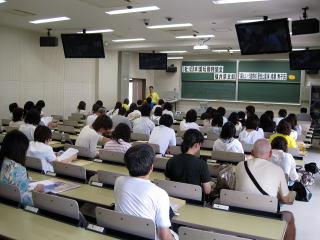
[(153, 61), (83, 45), (305, 60), (271, 36)]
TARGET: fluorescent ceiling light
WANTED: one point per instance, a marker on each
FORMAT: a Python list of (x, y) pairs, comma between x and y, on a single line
[(174, 51), (46, 20), (98, 31), (174, 58), (170, 25), (298, 49), (197, 36), (236, 1), (133, 10), (200, 47), (250, 20), (129, 40), (2, 1), (234, 50), (220, 50)]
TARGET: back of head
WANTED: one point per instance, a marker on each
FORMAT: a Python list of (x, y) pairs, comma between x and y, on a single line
[(149, 100), (269, 114), (122, 131), (282, 113), (14, 146), (133, 106), (280, 143), (283, 127), (145, 110), (40, 105), (139, 160), (217, 120), (250, 110), (126, 101), (32, 117), (234, 118), (160, 102), (222, 111), (262, 149), (167, 106), (118, 105), (228, 131), (102, 122), (166, 120), (102, 111), (17, 114), (292, 118), (303, 110), (42, 134), (252, 122), (158, 111), (191, 116), (122, 111), (139, 102), (82, 105), (242, 115), (12, 106), (95, 108), (190, 138), (100, 103), (27, 107)]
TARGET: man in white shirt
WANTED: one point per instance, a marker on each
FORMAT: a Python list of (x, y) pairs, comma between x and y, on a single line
[(136, 195), (96, 112), (144, 124), (163, 135), (269, 176), (160, 104), (120, 118)]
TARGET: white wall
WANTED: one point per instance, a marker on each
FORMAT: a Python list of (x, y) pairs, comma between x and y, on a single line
[(135, 72)]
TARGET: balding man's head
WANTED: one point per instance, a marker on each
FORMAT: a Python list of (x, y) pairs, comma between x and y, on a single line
[(262, 149)]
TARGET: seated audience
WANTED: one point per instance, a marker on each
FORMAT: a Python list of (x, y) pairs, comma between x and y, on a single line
[(207, 117), (250, 110), (167, 109), (12, 159), (139, 103), (143, 124), (31, 121), (160, 105), (222, 112), (251, 133), (120, 139), (149, 102), (296, 129), (227, 142), (40, 149), (155, 117), (17, 118), (125, 104), (284, 129), (267, 123), (216, 123), (27, 107), (190, 121), (90, 135), (133, 112), (91, 118), (120, 118), (12, 106), (282, 114), (136, 195), (100, 103), (82, 107), (163, 135), (303, 115), (283, 159), (242, 118), (39, 106), (234, 118), (115, 110), (269, 176), (188, 168)]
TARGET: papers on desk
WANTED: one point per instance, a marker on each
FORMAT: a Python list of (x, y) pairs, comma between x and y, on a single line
[(54, 185), (70, 152), (176, 203), (46, 120)]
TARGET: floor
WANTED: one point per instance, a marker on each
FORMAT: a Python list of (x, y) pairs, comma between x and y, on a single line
[(307, 214)]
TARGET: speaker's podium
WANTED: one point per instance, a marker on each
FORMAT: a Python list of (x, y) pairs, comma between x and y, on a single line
[(172, 97)]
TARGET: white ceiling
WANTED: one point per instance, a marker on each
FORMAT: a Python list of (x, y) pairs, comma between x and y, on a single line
[(206, 17)]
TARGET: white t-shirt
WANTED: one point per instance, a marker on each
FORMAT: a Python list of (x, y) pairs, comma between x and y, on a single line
[(28, 130), (184, 126), (164, 137), (16, 124), (143, 125), (286, 162), (229, 145), (89, 138), (216, 130), (155, 119), (165, 111), (154, 108), (90, 119), (277, 120), (139, 197), (43, 152), (250, 137), (225, 120), (269, 176)]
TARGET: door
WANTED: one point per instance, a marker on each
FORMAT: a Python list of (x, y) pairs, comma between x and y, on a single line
[(137, 89)]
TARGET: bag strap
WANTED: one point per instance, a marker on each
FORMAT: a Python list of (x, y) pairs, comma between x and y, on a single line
[(253, 179)]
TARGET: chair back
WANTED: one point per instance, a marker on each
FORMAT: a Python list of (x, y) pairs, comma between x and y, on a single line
[(70, 170), (111, 156), (9, 129), (10, 192), (249, 201), (180, 190), (155, 147), (139, 137), (66, 129), (77, 116), (33, 163), (180, 133), (83, 151), (5, 122), (186, 233), (176, 150), (70, 123), (207, 143), (227, 156), (107, 177), (160, 163), (212, 136), (133, 225)]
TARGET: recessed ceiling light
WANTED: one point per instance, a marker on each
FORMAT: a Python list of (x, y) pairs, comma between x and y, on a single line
[(196, 36), (220, 50), (174, 51), (98, 31), (129, 40), (200, 47), (170, 25), (133, 10), (174, 58), (236, 1), (46, 20), (2, 1)]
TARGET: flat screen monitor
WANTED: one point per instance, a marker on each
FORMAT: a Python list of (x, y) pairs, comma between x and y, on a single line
[(153, 61), (305, 60), (83, 45), (270, 36)]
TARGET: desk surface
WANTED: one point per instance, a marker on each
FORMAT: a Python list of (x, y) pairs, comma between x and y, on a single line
[(19, 224), (85, 192), (245, 225)]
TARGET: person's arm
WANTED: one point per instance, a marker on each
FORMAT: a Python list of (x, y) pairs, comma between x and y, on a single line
[(165, 234), (205, 179), (283, 194), (206, 187)]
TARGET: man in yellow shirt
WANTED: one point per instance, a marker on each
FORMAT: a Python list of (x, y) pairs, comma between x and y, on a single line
[(126, 104), (153, 95)]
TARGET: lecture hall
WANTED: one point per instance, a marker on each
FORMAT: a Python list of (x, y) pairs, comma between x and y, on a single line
[(159, 119)]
